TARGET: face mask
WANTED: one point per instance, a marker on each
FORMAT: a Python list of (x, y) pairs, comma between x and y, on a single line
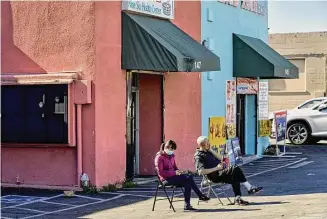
[(169, 152)]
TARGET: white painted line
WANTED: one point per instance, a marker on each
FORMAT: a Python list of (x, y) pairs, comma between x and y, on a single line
[(37, 200), (25, 196), (300, 164), (56, 203), (115, 193), (286, 165), (28, 209), (87, 197), (278, 160), (71, 208)]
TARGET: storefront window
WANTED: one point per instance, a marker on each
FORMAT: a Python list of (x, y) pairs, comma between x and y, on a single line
[(34, 114)]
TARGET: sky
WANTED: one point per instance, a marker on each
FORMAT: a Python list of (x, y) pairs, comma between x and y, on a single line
[(297, 16)]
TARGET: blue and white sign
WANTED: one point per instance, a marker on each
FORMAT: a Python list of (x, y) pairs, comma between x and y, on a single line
[(158, 8)]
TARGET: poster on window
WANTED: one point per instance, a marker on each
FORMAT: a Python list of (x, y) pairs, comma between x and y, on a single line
[(231, 108), (217, 133), (263, 100), (247, 86), (230, 152), (280, 123), (237, 151), (265, 128)]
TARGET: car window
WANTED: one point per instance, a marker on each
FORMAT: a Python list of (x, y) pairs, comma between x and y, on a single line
[(316, 108), (309, 104)]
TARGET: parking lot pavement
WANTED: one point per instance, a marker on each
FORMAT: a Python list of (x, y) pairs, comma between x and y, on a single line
[(279, 176)]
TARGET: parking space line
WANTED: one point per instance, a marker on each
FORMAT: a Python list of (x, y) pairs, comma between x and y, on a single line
[(2, 217), (56, 203), (300, 164), (87, 197), (28, 209), (38, 200), (78, 206), (115, 193)]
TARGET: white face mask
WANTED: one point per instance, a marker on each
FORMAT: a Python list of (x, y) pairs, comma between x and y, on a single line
[(169, 152)]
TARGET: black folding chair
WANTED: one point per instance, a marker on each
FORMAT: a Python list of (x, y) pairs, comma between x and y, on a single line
[(164, 186)]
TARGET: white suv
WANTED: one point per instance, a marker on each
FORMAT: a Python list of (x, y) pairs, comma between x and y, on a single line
[(307, 123)]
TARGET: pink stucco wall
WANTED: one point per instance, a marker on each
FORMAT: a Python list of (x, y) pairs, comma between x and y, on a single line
[(110, 112), (39, 37), (183, 92), (150, 117)]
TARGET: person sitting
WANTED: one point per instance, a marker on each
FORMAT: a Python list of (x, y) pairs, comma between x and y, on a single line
[(208, 162), (169, 174)]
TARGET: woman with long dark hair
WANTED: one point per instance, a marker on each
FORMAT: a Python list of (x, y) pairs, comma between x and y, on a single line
[(168, 171)]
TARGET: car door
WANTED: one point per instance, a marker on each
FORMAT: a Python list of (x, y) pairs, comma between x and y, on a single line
[(319, 121)]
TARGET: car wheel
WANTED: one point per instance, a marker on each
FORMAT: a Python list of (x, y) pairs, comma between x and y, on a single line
[(298, 133)]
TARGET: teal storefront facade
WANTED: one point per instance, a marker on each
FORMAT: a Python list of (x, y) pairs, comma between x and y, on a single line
[(222, 23)]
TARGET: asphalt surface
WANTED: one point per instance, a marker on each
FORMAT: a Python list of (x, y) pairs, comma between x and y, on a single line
[(300, 175)]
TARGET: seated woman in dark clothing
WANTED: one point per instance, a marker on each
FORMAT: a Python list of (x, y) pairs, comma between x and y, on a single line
[(210, 163), (168, 171)]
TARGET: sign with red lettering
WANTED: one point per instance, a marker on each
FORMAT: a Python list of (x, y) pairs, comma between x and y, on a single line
[(230, 2)]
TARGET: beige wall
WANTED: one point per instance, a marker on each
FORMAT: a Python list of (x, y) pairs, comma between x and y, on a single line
[(308, 51)]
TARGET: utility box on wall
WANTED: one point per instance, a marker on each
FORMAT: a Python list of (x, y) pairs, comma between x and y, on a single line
[(82, 92)]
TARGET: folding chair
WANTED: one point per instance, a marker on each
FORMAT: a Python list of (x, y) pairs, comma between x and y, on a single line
[(206, 183), (163, 185)]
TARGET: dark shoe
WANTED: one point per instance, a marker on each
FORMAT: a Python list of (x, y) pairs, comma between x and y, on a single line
[(190, 208), (239, 201), (255, 190), (204, 198)]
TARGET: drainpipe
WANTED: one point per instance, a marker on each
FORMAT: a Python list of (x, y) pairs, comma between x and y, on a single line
[(79, 145)]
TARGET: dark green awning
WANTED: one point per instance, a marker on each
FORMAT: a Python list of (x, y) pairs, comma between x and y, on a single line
[(254, 58), (153, 44)]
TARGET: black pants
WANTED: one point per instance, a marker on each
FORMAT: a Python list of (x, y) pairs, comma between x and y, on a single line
[(188, 183), (231, 175)]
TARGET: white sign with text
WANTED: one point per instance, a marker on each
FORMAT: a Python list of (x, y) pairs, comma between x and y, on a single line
[(157, 8), (263, 100)]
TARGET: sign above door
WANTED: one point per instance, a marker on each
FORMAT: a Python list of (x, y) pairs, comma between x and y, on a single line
[(158, 8)]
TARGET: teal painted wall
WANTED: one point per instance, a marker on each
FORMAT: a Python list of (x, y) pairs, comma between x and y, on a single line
[(218, 22)]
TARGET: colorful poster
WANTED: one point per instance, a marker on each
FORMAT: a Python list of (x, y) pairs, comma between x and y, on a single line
[(247, 86), (265, 128), (237, 151), (231, 108), (280, 122), (263, 100), (231, 131), (217, 133), (231, 102)]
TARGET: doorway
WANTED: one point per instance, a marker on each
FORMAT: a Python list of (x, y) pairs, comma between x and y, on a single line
[(144, 122), (247, 123)]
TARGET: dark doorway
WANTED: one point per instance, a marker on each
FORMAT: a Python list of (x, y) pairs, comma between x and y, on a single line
[(144, 122), (240, 121)]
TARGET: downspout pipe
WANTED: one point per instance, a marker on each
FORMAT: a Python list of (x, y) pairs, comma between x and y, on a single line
[(79, 145)]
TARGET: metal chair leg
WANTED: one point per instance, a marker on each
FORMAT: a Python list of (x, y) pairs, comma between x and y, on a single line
[(210, 188), (170, 202), (201, 191), (155, 197), (223, 191), (172, 196)]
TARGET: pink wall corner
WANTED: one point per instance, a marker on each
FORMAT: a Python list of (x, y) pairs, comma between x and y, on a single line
[(41, 37), (110, 114), (183, 92), (39, 166)]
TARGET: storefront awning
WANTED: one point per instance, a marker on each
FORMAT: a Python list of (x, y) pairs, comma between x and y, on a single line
[(254, 58), (152, 44)]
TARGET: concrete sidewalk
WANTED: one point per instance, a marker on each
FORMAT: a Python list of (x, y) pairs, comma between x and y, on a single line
[(311, 206)]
